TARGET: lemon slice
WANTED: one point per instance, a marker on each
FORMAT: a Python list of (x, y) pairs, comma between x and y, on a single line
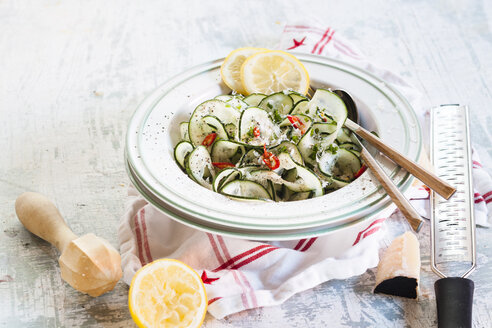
[(230, 70), (167, 293), (274, 71)]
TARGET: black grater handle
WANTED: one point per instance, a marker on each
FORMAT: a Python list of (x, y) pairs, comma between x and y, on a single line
[(454, 297)]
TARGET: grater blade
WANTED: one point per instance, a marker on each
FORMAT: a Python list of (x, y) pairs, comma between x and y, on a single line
[(452, 222)]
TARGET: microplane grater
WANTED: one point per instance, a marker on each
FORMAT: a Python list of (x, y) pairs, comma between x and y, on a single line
[(453, 254)]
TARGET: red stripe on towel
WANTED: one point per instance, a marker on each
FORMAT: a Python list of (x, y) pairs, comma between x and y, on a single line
[(145, 235), (478, 198), (360, 234), (219, 257), (210, 301), (139, 239), (346, 48), (303, 27), (327, 41), (253, 258), (299, 244), (370, 232), (231, 261), (487, 194), (322, 38), (309, 244), (235, 274)]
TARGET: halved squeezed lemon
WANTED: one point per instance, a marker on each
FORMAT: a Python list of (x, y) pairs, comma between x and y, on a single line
[(167, 293), (230, 69), (273, 71)]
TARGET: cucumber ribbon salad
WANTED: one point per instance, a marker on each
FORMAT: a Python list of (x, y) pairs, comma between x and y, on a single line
[(280, 147)]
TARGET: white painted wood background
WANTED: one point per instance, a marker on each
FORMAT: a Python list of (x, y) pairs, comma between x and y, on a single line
[(72, 72)]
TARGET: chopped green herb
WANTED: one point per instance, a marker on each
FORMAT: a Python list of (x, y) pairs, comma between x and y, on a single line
[(251, 132), (269, 105), (332, 149), (282, 149), (314, 152), (295, 138), (277, 117)]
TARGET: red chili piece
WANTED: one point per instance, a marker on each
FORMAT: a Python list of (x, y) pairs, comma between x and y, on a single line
[(362, 169), (296, 123), (209, 139), (222, 165), (270, 159), (256, 131)]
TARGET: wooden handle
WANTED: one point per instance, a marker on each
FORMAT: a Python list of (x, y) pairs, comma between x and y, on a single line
[(396, 196), (40, 216), (428, 178)]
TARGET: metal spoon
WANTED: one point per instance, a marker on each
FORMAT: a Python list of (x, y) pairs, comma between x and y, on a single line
[(396, 196), (428, 178)]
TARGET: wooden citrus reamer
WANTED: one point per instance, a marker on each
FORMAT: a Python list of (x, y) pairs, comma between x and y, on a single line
[(88, 263)]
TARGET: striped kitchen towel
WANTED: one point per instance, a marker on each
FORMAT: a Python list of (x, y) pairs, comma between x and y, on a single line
[(242, 274)]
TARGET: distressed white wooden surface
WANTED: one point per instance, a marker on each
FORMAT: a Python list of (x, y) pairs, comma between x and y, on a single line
[(71, 74)]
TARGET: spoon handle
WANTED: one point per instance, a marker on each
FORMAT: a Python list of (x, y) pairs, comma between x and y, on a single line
[(396, 196), (428, 178)]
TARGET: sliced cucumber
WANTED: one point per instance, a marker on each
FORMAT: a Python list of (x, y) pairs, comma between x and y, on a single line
[(332, 106), (182, 150), (289, 148), (227, 151), (301, 195), (183, 131), (245, 189), (349, 146), (231, 130), (296, 97), (257, 118), (302, 107), (251, 158), (290, 175), (271, 190), (278, 102), (342, 165), (225, 176), (198, 129), (216, 126), (314, 140), (333, 184), (199, 167), (344, 136), (355, 152), (265, 176), (254, 99), (237, 102), (306, 178)]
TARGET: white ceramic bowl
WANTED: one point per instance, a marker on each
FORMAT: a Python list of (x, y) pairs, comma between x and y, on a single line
[(153, 133)]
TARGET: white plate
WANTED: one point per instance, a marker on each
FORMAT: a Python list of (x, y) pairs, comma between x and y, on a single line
[(153, 133)]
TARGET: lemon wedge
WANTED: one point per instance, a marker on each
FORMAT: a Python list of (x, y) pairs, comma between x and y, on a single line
[(230, 69), (273, 71), (167, 293)]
